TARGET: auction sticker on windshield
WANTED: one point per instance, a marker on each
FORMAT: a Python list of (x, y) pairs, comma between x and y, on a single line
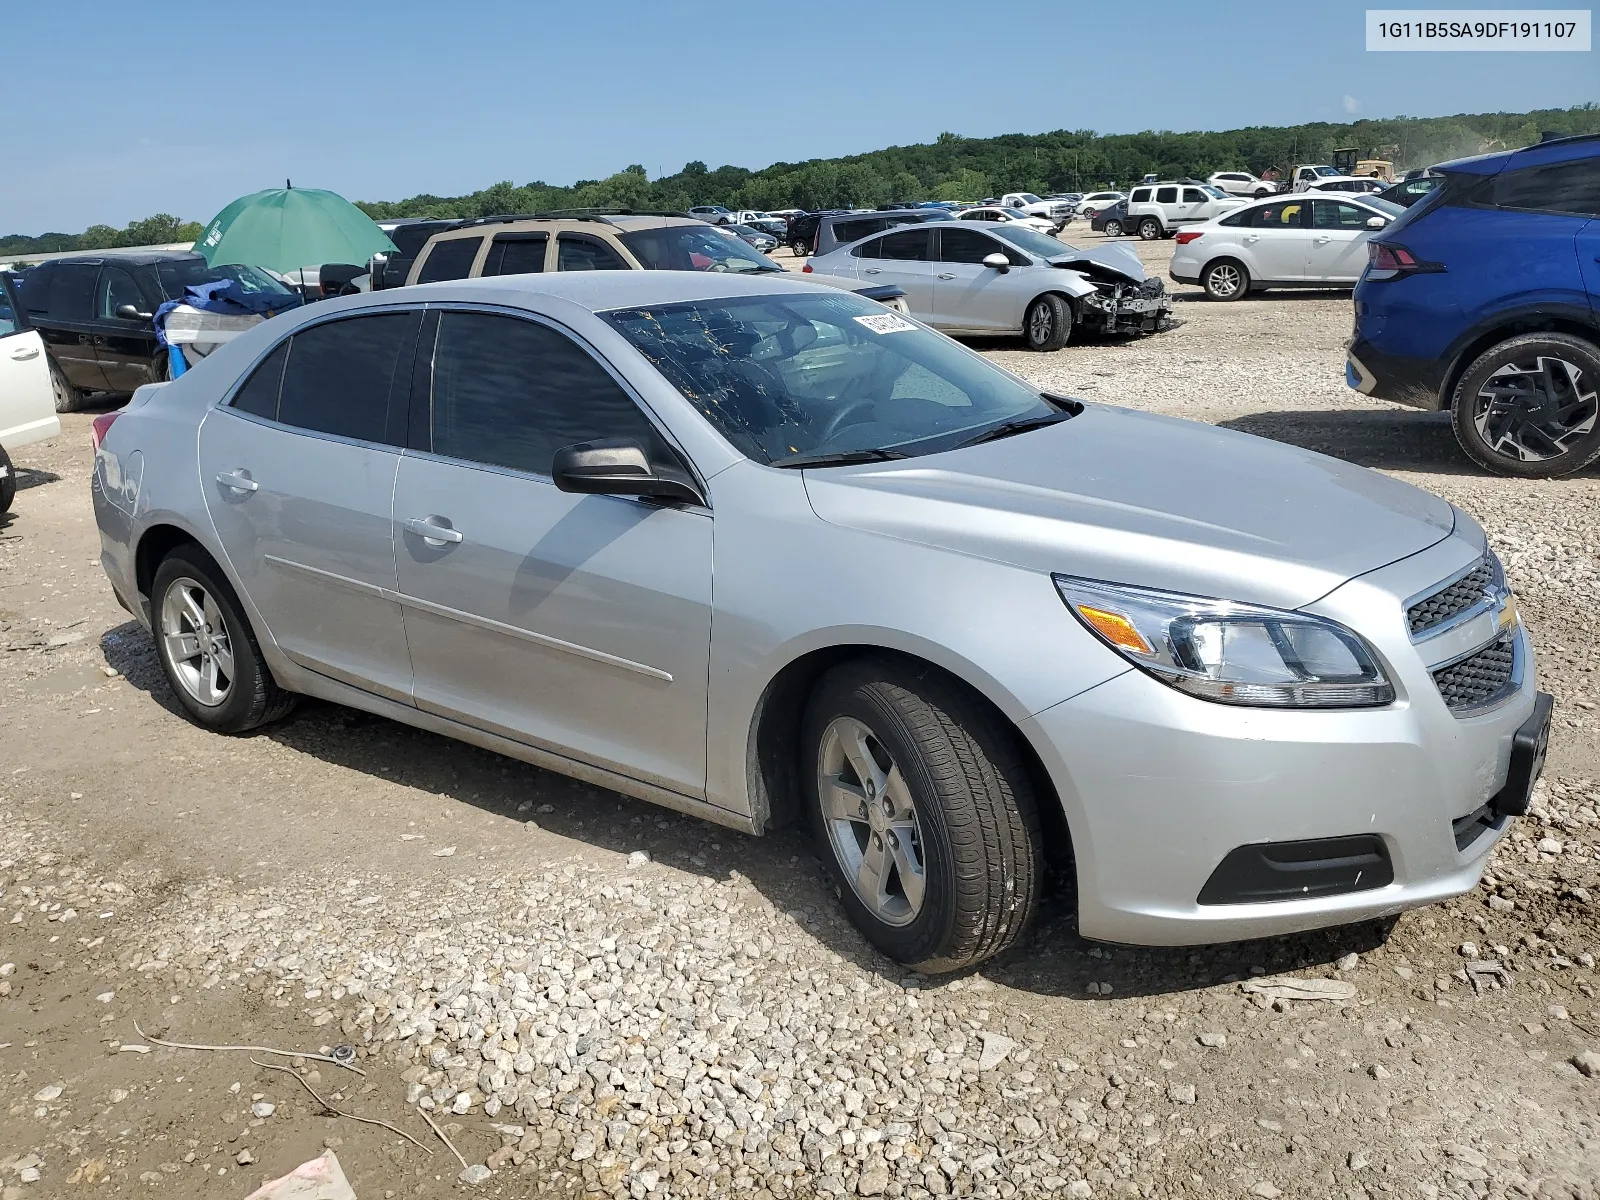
[(885, 323)]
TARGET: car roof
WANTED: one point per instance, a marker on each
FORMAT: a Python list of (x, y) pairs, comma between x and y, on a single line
[(138, 258), (592, 222), (601, 290)]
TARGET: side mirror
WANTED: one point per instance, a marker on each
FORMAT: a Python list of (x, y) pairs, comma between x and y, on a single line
[(127, 312), (619, 467), (1376, 222), (997, 261)]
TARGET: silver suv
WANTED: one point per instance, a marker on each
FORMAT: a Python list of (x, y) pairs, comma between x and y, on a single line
[(755, 548)]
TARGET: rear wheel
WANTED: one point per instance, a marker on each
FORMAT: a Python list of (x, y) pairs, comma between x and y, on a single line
[(1531, 406), (799, 248), (8, 481), (1150, 229), (1047, 324), (67, 397), (208, 652), (1225, 280), (1113, 228), (923, 812)]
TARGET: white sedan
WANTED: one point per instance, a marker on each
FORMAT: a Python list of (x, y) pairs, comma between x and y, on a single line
[(994, 214), (1298, 240)]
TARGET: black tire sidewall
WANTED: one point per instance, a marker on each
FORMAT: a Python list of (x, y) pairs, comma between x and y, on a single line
[(66, 397), (1149, 223), (1061, 326), (8, 484), (1584, 353), (844, 695), (242, 709)]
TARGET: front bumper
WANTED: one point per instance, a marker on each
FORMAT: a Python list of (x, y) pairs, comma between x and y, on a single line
[(1160, 788), (1127, 310)]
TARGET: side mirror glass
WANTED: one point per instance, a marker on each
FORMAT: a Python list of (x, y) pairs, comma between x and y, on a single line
[(127, 312), (1376, 222), (619, 467), (997, 261)]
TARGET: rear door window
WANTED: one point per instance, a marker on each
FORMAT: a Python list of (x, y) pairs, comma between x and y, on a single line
[(909, 245), (575, 252), (1569, 187), (449, 259), (341, 378), (509, 392), (1268, 216), (1140, 196), (516, 254), (1167, 195), (71, 292), (259, 394)]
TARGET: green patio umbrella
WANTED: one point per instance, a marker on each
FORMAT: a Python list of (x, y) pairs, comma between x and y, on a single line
[(286, 228)]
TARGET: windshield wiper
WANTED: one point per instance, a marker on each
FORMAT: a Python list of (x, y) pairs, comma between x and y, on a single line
[(1011, 428), (839, 458)]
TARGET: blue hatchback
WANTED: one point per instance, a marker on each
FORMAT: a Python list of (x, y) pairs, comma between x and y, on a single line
[(1484, 299)]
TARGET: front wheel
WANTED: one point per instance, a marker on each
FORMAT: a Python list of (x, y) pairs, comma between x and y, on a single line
[(923, 812), (1113, 228), (207, 650), (1047, 324), (1150, 229), (1225, 280), (1531, 406), (8, 481)]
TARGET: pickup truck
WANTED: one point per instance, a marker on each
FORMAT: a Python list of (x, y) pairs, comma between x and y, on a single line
[(1056, 212), (1157, 210), (1303, 176)]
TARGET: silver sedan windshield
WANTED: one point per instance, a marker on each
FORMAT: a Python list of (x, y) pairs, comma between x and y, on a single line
[(800, 376), (1032, 240)]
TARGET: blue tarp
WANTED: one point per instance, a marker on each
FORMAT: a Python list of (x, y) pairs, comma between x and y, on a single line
[(225, 296)]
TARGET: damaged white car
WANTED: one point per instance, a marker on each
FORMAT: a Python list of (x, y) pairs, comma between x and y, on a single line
[(1007, 279)]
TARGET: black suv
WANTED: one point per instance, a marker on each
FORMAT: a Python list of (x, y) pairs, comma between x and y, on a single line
[(819, 233), (94, 314)]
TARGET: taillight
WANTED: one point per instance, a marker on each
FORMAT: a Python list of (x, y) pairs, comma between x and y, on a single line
[(806, 270), (1391, 260), (101, 425), (1184, 238)]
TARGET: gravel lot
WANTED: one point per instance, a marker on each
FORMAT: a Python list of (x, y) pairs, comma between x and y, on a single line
[(591, 996)]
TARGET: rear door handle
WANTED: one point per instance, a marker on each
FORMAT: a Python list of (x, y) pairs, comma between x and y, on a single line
[(872, 270), (239, 481), (430, 531), (946, 275), (1323, 239)]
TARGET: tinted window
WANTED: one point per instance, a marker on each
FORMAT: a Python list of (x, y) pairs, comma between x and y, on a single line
[(694, 248), (259, 395), (1268, 216), (1330, 214), (1193, 196), (576, 253), (176, 274), (850, 231), (450, 259), (340, 375), (116, 288), (1140, 196), (516, 254), (511, 393), (909, 245), (68, 296), (966, 246), (1570, 187), (1167, 195)]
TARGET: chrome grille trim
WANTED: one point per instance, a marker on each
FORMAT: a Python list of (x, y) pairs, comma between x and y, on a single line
[(1475, 589)]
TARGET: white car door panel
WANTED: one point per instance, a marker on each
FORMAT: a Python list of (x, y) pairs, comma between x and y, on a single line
[(27, 401), (1337, 241)]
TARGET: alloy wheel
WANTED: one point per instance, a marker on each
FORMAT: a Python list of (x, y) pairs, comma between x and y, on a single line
[(1534, 409), (1041, 323), (1224, 280), (196, 641), (871, 821)]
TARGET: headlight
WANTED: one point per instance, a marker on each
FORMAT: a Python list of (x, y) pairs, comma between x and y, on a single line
[(1230, 652)]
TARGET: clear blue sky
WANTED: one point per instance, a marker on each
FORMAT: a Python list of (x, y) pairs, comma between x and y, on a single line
[(129, 109)]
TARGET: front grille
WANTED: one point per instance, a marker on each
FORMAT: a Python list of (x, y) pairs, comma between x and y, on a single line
[(1452, 600), (1479, 677)]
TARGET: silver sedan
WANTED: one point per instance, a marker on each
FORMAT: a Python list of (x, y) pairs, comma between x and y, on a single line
[(760, 549), (1006, 279)]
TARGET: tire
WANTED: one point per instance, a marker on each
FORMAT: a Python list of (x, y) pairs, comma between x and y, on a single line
[(1225, 279), (798, 248), (1113, 228), (8, 481), (1528, 406), (160, 367), (67, 397), (1263, 193), (1150, 229), (1047, 325), (956, 792), (190, 593)]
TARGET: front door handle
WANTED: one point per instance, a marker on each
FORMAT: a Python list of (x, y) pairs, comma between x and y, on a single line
[(239, 481), (430, 531), (872, 270), (947, 275), (24, 353), (1323, 240)]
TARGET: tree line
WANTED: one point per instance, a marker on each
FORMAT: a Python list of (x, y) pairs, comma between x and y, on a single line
[(951, 167)]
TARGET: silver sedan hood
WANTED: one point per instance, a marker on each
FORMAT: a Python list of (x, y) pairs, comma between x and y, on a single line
[(1114, 255), (1136, 498)]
